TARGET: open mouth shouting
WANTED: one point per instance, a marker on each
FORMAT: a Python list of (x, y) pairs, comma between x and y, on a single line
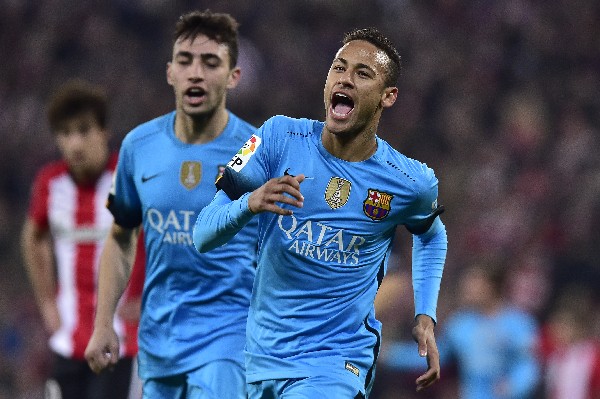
[(195, 95), (341, 105)]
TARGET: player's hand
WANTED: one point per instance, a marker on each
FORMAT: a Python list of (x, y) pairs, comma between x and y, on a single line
[(102, 351), (282, 190), (423, 334)]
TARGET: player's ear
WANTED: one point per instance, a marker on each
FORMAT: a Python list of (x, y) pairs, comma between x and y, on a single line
[(169, 79), (234, 77), (390, 94)]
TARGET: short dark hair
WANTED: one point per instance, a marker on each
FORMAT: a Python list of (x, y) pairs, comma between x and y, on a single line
[(220, 27), (376, 38), (76, 97)]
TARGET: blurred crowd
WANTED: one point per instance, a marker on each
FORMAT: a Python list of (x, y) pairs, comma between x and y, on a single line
[(499, 97)]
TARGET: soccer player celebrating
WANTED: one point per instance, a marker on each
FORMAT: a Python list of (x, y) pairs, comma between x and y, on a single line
[(194, 306), (328, 197)]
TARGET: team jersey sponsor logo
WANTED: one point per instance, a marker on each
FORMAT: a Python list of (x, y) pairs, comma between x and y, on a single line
[(377, 205), (242, 157), (80, 234), (317, 240), (174, 226), (190, 174), (337, 192)]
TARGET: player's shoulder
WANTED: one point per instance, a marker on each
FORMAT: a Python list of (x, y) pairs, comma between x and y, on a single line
[(240, 124), (149, 130), (51, 170), (287, 122), (460, 320), (281, 125), (518, 317), (404, 166), (239, 129)]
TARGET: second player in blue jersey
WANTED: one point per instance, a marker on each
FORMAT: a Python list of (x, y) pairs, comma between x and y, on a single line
[(194, 306)]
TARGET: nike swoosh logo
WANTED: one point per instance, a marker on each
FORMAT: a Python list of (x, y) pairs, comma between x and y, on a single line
[(146, 178), (287, 173)]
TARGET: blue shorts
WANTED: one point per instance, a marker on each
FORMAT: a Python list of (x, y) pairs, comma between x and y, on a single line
[(318, 387), (215, 380)]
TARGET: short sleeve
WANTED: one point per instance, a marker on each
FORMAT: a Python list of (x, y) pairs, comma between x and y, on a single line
[(123, 199)]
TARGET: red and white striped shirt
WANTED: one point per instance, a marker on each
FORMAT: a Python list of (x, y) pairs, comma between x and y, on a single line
[(574, 371), (79, 222)]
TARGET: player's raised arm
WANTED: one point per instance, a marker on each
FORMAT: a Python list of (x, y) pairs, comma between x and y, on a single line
[(280, 190), (218, 222)]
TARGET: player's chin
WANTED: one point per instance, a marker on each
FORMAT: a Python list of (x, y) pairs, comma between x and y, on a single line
[(337, 127), (197, 111)]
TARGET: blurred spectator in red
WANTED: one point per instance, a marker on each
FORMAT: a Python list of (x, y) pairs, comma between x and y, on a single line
[(571, 349)]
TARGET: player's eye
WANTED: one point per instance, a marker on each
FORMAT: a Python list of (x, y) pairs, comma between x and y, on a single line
[(183, 60), (212, 61), (212, 64)]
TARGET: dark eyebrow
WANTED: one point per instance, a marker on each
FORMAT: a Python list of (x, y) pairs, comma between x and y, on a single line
[(209, 56), (203, 56), (358, 66), (184, 54)]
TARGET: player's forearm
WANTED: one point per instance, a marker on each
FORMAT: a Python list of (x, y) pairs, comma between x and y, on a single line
[(115, 269), (429, 256), (37, 256), (219, 221)]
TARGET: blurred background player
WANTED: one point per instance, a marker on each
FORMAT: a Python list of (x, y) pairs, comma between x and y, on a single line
[(194, 306), (491, 343), (570, 348), (62, 239)]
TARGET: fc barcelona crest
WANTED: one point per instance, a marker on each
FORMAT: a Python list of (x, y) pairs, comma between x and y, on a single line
[(190, 174), (377, 205), (337, 192)]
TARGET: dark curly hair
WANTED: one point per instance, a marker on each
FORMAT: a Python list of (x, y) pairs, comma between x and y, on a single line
[(76, 97), (376, 38), (220, 27)]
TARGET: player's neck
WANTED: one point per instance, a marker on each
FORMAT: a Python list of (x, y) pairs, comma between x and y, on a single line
[(200, 129), (350, 147), (493, 307), (88, 175)]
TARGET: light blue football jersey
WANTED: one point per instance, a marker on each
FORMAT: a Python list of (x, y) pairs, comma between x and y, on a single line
[(194, 306), (312, 309)]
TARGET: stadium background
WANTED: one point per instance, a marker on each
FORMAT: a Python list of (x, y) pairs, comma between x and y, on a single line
[(499, 97)]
